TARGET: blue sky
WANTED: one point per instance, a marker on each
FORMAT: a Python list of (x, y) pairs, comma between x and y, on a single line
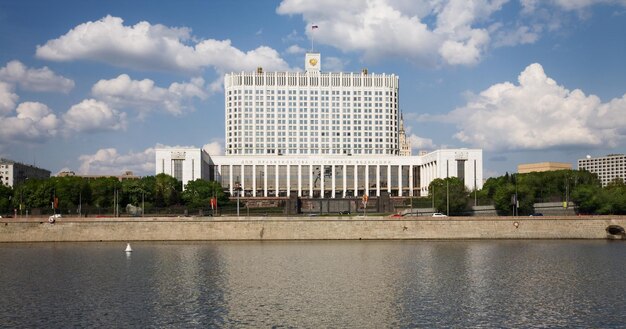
[(95, 86)]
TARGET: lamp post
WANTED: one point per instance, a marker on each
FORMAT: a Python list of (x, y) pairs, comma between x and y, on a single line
[(447, 196)]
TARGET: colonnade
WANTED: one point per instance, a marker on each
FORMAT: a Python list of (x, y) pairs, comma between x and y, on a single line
[(323, 180)]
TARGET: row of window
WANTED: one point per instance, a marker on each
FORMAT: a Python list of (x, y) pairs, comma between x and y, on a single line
[(311, 92), (311, 151)]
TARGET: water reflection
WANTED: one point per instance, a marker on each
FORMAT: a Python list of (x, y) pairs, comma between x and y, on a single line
[(369, 284)]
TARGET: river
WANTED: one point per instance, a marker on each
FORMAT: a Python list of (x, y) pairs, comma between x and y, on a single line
[(313, 284)]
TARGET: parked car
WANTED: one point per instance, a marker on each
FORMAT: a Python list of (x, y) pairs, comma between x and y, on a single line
[(536, 214), (438, 214)]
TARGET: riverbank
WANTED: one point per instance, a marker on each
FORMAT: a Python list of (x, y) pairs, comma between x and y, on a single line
[(305, 228)]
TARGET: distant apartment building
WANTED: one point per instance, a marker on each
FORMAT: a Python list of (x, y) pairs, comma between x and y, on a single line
[(126, 175), (543, 166), (608, 168), (14, 173)]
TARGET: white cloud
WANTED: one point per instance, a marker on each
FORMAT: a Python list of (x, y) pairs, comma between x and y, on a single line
[(92, 115), (334, 64), (34, 122), (295, 49), (531, 5), (154, 47), (8, 98), (517, 36), (538, 114), (144, 96), (109, 161), (42, 79), (420, 143), (213, 148), (381, 28)]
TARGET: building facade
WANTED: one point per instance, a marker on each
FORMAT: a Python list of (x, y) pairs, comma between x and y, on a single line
[(126, 175), (608, 168), (543, 166), (183, 163), (310, 113), (330, 135), (346, 176), (14, 173)]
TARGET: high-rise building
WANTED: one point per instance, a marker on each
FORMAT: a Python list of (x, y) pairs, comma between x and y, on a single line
[(311, 112), (608, 168), (14, 173), (326, 135)]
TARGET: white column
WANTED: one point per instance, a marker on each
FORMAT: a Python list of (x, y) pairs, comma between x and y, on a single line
[(411, 180), (333, 183), (230, 179), (276, 180), (389, 179), (254, 180), (400, 180), (322, 181), (377, 180), (299, 180), (423, 178), (310, 181), (265, 180), (243, 186), (356, 180), (288, 179), (367, 179), (218, 174), (345, 181)]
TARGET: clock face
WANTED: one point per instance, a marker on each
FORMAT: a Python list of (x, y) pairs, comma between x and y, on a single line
[(313, 61)]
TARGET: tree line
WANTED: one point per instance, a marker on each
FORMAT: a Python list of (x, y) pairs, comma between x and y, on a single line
[(582, 188), (100, 195), (76, 195)]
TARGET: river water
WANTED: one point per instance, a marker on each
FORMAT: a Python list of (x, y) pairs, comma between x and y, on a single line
[(313, 284)]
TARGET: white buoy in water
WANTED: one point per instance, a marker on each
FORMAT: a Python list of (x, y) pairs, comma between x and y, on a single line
[(128, 248)]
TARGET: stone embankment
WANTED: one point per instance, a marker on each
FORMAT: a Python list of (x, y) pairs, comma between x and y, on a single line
[(306, 228)]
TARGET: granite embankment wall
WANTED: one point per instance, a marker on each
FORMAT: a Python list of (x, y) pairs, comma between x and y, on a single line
[(305, 228)]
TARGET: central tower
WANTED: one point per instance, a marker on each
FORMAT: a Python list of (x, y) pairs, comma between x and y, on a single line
[(311, 112)]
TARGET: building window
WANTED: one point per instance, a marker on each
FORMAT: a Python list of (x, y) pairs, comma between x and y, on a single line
[(178, 169)]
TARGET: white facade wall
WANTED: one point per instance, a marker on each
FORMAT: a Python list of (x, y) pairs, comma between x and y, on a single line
[(309, 113), (193, 161), (14, 173)]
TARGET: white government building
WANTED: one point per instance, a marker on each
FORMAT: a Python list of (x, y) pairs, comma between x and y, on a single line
[(319, 134)]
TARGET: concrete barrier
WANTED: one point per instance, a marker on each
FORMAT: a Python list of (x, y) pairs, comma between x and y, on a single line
[(306, 228)]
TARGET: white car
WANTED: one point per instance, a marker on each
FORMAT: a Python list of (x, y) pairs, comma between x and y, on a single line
[(438, 214)]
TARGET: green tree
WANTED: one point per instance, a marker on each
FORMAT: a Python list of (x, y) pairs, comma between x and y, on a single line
[(6, 194), (103, 191), (511, 188), (449, 190), (167, 190), (199, 192)]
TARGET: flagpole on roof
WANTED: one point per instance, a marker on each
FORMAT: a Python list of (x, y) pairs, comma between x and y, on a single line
[(313, 27), (312, 35)]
